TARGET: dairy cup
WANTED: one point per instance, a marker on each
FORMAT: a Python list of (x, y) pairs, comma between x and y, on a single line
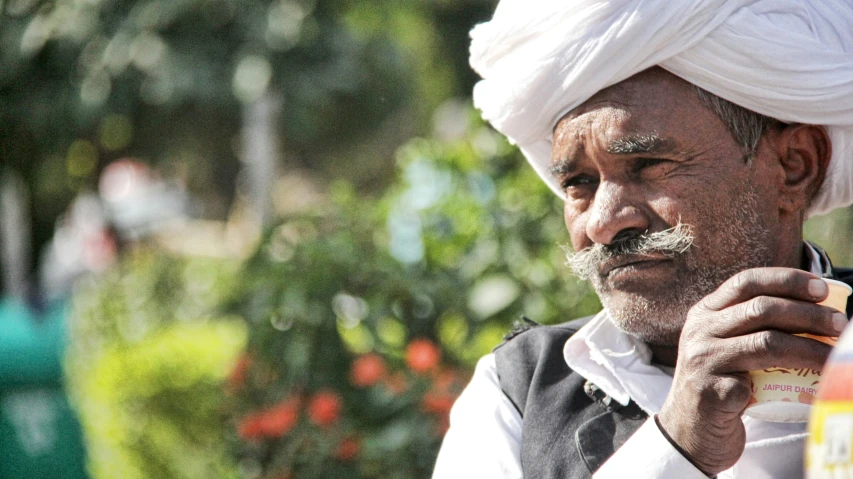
[(786, 394)]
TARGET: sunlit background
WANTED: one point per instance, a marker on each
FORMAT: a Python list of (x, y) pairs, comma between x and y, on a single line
[(257, 239)]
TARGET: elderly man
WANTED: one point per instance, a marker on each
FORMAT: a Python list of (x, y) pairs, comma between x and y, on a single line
[(690, 141)]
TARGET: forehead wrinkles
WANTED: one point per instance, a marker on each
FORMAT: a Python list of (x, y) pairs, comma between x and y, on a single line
[(589, 129)]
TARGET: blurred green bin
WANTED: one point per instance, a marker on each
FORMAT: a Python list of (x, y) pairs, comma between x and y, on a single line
[(40, 436)]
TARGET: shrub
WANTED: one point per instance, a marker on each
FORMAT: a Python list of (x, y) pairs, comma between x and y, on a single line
[(366, 318)]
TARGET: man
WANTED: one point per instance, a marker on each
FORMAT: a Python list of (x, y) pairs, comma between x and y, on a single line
[(690, 141)]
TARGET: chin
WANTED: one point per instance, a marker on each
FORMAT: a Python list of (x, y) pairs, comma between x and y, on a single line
[(655, 322)]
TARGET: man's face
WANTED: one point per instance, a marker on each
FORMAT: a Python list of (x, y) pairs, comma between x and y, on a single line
[(642, 157)]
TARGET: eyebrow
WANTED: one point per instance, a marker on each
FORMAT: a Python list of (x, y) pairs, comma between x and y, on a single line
[(640, 144), (649, 144), (562, 167)]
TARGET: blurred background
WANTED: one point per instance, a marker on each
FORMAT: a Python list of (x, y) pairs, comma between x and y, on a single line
[(257, 239)]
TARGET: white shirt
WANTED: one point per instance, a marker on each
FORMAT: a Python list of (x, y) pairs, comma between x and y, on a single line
[(484, 438)]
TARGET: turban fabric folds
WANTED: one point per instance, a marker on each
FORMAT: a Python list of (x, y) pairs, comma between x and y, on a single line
[(788, 59)]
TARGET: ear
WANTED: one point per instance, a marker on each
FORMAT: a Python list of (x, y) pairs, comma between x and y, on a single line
[(804, 152)]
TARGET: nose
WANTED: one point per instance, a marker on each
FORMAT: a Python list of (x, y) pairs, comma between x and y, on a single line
[(614, 211)]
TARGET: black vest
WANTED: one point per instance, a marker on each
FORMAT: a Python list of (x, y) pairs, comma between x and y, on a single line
[(569, 428)]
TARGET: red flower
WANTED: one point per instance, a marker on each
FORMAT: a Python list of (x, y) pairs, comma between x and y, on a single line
[(347, 450), (449, 380), (367, 370), (238, 374), (422, 355), (280, 419), (437, 403), (396, 383), (250, 427), (325, 408)]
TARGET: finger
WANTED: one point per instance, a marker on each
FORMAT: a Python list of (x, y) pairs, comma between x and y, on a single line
[(786, 315), (780, 282), (769, 349)]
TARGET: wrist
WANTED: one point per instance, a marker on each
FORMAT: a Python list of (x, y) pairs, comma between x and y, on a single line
[(680, 449)]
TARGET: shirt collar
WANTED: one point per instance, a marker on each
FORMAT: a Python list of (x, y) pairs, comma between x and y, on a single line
[(620, 364)]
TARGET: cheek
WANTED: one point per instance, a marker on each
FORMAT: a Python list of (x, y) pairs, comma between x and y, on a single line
[(576, 225), (690, 201), (669, 211), (707, 211)]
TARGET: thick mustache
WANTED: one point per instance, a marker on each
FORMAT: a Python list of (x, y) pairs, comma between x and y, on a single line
[(587, 263)]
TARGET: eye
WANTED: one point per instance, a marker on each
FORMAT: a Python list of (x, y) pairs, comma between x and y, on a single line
[(646, 164), (578, 181)]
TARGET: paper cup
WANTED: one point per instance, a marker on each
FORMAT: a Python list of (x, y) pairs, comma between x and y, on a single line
[(785, 394)]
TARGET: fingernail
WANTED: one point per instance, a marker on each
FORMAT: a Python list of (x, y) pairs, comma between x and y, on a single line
[(839, 322), (818, 288)]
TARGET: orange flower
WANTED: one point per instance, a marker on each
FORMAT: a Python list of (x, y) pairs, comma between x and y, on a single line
[(347, 450), (367, 370), (250, 427), (280, 419), (422, 355), (325, 408)]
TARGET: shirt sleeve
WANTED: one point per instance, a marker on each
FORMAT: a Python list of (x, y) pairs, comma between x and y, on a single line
[(648, 454), (485, 431)]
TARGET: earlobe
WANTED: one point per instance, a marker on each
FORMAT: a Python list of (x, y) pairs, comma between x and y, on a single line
[(804, 152)]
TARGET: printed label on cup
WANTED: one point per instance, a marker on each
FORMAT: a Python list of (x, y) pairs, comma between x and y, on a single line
[(785, 394)]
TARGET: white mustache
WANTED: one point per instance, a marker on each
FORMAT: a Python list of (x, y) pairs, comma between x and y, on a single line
[(587, 262)]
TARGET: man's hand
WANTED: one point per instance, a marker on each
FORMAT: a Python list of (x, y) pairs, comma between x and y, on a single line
[(747, 324)]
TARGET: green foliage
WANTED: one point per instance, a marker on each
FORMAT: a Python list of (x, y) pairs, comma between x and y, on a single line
[(83, 83), (483, 215), (146, 359), (832, 232), (121, 55), (465, 243), (364, 320)]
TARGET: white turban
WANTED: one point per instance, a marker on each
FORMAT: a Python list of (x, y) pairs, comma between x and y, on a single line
[(787, 59)]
